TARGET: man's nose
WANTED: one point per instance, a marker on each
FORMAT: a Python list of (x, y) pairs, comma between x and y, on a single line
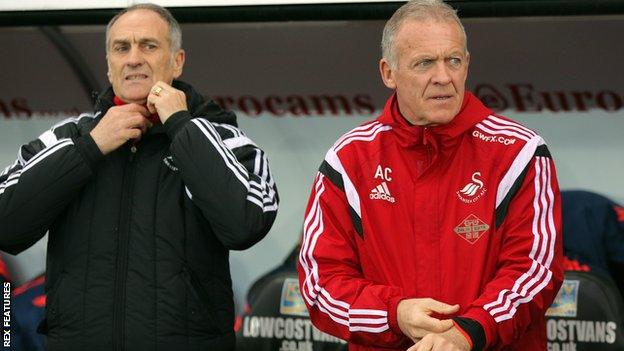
[(441, 74), (135, 57)]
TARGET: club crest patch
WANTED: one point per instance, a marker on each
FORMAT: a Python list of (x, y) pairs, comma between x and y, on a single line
[(291, 302), (471, 228), (566, 301)]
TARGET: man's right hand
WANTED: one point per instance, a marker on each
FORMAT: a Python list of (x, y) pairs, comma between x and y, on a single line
[(120, 124), (414, 317)]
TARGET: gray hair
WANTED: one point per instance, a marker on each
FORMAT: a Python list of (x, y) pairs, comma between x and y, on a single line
[(175, 33), (416, 10)]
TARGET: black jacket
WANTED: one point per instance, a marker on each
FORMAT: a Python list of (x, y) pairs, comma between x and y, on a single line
[(138, 239)]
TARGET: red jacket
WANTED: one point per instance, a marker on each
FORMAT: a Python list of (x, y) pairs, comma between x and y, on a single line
[(466, 213)]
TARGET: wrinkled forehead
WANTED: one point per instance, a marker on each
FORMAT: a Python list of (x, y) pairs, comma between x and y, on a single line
[(414, 32), (137, 26)]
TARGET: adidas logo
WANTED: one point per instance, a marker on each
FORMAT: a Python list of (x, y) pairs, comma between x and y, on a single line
[(382, 192)]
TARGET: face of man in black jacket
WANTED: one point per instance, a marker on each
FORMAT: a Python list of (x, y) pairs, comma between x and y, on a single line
[(144, 57), (140, 54)]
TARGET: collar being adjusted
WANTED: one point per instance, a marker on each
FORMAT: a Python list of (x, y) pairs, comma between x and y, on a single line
[(152, 118)]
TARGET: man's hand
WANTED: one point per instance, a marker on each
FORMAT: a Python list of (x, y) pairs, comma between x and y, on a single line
[(414, 317), (120, 124), (450, 340), (165, 100)]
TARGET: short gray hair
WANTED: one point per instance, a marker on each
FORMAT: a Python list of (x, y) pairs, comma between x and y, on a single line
[(175, 32), (416, 10)]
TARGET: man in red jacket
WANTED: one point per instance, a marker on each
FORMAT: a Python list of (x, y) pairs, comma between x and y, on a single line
[(436, 226)]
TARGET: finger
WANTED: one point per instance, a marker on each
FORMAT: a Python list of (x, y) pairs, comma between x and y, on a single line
[(144, 124), (166, 88), (435, 325), (134, 134), (143, 128), (135, 108), (152, 108), (137, 122), (412, 348), (163, 85), (426, 344), (158, 88), (151, 103), (440, 307)]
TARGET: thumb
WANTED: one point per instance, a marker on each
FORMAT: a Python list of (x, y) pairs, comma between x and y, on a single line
[(434, 325), (442, 308)]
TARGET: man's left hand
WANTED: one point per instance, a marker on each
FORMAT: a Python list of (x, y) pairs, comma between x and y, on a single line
[(165, 100), (450, 340)]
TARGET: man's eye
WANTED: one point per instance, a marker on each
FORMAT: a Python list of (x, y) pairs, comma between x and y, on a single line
[(423, 63), (149, 46), (120, 48), (455, 61)]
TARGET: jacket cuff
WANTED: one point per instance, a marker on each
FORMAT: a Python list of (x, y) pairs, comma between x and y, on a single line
[(175, 122), (89, 150), (480, 325), (472, 331), (392, 313)]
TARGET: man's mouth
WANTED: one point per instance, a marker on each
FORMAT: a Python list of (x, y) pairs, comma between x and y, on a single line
[(441, 97), (136, 76)]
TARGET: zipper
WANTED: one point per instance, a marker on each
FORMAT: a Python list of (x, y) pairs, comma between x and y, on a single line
[(123, 236), (427, 147)]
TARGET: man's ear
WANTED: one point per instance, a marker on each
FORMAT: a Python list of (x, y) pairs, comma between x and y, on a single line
[(178, 63), (108, 70), (387, 74)]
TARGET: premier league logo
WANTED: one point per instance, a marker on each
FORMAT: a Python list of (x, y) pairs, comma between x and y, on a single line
[(565, 304), (291, 302)]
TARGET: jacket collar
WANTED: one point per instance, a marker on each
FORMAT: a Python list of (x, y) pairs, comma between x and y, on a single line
[(198, 105), (472, 112)]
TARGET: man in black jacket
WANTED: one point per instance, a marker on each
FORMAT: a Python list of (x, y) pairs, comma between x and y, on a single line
[(143, 201)]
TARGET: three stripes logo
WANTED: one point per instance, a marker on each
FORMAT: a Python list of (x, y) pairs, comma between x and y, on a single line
[(381, 192)]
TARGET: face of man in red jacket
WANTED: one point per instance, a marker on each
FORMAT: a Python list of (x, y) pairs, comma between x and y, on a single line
[(429, 70), (139, 54)]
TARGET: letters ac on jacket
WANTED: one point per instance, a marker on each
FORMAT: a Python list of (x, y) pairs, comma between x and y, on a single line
[(400, 211)]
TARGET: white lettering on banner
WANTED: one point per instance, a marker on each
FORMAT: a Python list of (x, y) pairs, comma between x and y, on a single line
[(321, 105), (19, 108), (285, 328), (566, 346), (524, 97), (299, 105), (566, 330), (288, 345)]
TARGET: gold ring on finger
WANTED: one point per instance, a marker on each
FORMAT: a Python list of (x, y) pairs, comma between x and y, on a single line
[(156, 91)]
